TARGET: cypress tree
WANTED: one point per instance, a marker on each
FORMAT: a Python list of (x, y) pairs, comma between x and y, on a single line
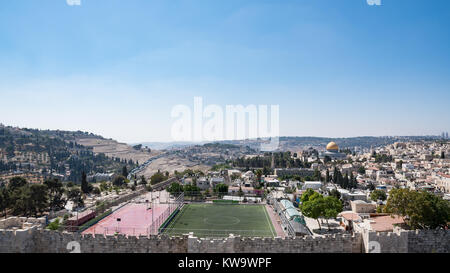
[(84, 183)]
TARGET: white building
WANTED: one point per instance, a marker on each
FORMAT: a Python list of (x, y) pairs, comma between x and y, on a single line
[(314, 185)]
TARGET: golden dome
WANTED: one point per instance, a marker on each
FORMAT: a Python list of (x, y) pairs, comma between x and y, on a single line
[(332, 147)]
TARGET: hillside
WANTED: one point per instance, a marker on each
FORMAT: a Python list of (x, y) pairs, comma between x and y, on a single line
[(114, 149), (39, 154)]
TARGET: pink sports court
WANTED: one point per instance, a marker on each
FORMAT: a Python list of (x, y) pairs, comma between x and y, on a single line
[(135, 219)]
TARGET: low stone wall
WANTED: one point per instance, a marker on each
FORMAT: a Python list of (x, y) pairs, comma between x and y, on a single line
[(164, 184), (19, 222), (125, 198)]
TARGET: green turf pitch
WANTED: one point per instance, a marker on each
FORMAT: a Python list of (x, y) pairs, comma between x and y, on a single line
[(212, 220)]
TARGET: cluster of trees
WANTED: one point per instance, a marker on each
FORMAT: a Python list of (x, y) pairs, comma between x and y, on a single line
[(378, 195), (382, 158), (8, 166), (137, 147), (62, 151), (361, 170), (89, 162), (193, 190), (220, 167), (189, 173), (159, 177), (21, 198), (189, 189), (280, 160), (120, 181), (315, 205), (217, 145), (347, 151), (419, 209), (222, 189), (346, 182), (315, 177)]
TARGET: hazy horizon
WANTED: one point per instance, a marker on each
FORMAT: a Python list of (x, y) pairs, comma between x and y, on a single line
[(167, 142)]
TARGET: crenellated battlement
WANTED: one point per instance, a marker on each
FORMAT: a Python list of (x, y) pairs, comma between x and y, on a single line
[(36, 239)]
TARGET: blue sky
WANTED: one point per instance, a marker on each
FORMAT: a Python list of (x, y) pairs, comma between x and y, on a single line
[(336, 68)]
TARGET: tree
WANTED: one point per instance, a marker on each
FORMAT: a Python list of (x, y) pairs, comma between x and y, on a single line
[(361, 170), (16, 182), (335, 193), (38, 199), (4, 199), (55, 194), (157, 178), (353, 183), (267, 171), (378, 195), (259, 174), (84, 183), (137, 147), (104, 186), (54, 225), (125, 171), (191, 190), (317, 176), (431, 212), (20, 201), (143, 180), (175, 188), (307, 194), (314, 207), (346, 182), (331, 208), (327, 176), (221, 189), (96, 191), (119, 180), (75, 195), (371, 186), (240, 192), (420, 210), (442, 155)]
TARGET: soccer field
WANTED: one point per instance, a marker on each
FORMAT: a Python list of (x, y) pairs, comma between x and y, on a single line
[(214, 220)]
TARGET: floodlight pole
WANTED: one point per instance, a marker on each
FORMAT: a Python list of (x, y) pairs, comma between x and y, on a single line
[(152, 217)]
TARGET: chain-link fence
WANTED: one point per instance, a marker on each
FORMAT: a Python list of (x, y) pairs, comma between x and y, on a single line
[(153, 228)]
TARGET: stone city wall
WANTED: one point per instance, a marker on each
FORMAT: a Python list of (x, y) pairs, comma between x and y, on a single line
[(34, 240), (342, 243), (407, 241), (429, 241), (37, 240)]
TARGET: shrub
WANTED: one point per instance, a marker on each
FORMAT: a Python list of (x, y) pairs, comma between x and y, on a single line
[(96, 191), (54, 225)]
